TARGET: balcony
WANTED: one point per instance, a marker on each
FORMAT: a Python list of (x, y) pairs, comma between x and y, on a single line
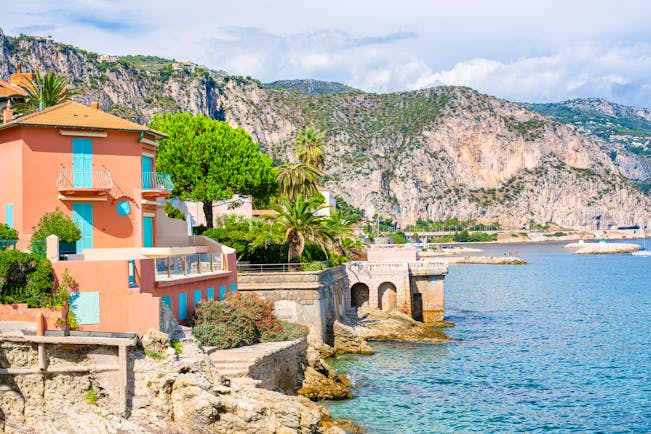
[(156, 184), (84, 183)]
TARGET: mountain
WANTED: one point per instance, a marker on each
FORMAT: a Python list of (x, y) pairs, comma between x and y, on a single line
[(312, 87), (623, 132), (430, 154)]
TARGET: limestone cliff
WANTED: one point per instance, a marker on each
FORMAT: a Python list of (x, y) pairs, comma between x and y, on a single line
[(432, 153)]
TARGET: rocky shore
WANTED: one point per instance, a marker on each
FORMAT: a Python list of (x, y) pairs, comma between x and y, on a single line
[(497, 260), (603, 248)]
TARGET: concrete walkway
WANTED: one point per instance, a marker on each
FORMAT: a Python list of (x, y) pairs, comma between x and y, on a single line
[(237, 362)]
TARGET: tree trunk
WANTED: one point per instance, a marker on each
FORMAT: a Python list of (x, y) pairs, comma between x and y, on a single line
[(207, 211), (296, 243)]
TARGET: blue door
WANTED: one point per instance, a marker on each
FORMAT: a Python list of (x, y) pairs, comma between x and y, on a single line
[(82, 215), (82, 163), (147, 175), (148, 232)]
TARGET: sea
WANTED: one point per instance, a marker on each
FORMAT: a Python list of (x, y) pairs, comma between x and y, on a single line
[(562, 344)]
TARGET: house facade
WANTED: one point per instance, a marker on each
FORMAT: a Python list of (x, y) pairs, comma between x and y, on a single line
[(99, 170)]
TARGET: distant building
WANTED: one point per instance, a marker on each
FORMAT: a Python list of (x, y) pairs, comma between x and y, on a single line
[(10, 91)]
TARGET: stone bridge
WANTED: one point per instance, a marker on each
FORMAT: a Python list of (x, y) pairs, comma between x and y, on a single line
[(415, 288)]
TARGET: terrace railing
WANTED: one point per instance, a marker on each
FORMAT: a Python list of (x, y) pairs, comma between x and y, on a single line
[(283, 267), (94, 179), (178, 266), (159, 181)]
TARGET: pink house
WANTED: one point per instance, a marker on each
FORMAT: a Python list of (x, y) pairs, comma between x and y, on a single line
[(100, 170)]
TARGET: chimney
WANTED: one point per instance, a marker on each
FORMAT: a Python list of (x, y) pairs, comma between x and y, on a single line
[(7, 114), (94, 105)]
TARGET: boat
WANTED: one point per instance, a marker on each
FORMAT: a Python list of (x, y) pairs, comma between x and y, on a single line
[(643, 251)]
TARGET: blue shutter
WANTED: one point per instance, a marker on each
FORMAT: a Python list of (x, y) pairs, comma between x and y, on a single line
[(210, 294), (183, 306), (82, 163), (9, 215), (233, 287), (82, 216), (222, 292), (148, 232), (85, 305), (197, 296)]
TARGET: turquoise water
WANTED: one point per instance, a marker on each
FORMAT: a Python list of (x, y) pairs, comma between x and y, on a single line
[(561, 345)]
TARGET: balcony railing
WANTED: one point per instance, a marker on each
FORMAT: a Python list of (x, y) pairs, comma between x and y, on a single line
[(157, 183), (177, 266), (73, 181)]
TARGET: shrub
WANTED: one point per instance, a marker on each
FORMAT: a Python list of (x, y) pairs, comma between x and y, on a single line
[(173, 212), (7, 233), (56, 223), (25, 278), (237, 320), (291, 331)]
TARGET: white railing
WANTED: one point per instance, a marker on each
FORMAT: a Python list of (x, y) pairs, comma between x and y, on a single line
[(96, 179), (157, 181)]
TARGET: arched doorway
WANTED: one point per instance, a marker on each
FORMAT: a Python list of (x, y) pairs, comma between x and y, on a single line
[(387, 296), (359, 295)]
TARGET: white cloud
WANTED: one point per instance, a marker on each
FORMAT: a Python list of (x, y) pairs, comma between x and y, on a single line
[(615, 72), (503, 47)]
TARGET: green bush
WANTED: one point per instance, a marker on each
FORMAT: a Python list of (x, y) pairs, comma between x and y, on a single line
[(7, 233), (291, 331), (25, 278), (236, 321), (173, 212), (56, 223)]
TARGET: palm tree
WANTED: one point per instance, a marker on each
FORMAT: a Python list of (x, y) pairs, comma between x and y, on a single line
[(309, 149), (298, 180), (44, 91), (298, 220)]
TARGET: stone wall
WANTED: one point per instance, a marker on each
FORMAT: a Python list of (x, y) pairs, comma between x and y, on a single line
[(315, 298), (281, 369)]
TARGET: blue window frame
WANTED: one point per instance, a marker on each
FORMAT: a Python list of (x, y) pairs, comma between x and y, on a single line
[(233, 287)]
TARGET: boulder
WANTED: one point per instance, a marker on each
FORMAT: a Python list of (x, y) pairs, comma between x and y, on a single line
[(155, 340), (348, 341)]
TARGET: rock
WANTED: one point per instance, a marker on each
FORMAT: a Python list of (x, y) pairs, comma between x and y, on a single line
[(396, 326), (321, 381), (156, 341), (317, 386), (347, 341)]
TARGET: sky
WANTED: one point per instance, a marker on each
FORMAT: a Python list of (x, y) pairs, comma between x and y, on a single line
[(528, 51)]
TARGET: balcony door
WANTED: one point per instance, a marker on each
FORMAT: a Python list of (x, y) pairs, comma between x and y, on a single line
[(147, 172), (82, 163), (82, 215)]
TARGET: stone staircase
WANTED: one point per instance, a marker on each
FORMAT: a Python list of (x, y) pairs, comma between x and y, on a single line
[(237, 362)]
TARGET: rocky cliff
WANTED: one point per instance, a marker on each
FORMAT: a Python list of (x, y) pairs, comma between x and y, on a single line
[(431, 154), (623, 132)]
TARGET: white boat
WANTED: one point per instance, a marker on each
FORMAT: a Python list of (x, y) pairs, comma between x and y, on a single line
[(644, 251)]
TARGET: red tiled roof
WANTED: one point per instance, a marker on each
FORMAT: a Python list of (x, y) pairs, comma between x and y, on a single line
[(75, 115)]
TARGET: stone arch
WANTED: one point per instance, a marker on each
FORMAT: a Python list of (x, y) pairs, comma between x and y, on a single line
[(387, 296), (359, 295)]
